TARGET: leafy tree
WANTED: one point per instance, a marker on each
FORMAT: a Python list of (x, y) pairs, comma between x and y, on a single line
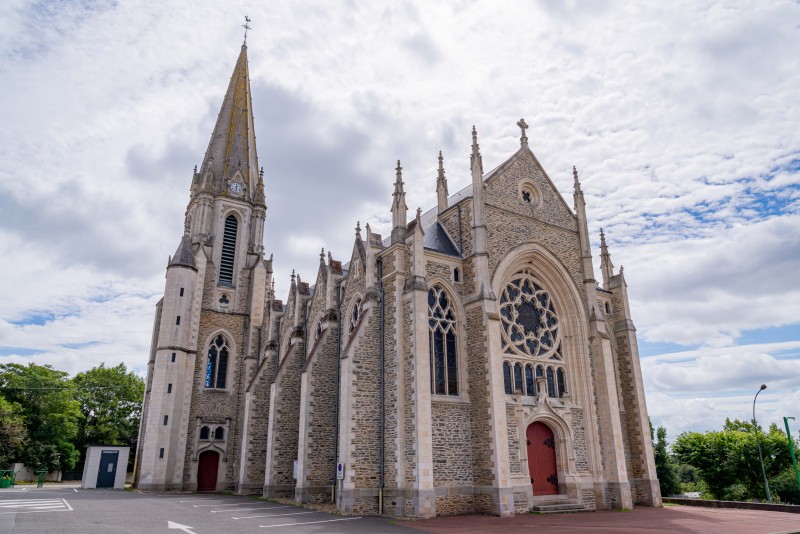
[(728, 461), (665, 467), (51, 414), (13, 433), (110, 400)]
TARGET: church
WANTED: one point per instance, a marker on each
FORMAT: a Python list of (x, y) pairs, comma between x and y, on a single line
[(468, 362)]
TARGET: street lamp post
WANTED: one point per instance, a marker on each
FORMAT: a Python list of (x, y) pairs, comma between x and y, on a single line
[(791, 448), (758, 442)]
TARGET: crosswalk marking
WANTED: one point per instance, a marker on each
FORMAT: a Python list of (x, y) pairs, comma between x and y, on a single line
[(24, 506)]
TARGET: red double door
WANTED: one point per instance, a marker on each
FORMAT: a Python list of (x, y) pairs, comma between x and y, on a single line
[(542, 459)]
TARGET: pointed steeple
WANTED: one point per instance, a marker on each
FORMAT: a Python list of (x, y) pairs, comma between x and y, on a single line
[(399, 208), (476, 161), (233, 143), (605, 261), (183, 256), (441, 185)]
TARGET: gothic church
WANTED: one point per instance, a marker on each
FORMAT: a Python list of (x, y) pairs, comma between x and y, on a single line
[(467, 363)]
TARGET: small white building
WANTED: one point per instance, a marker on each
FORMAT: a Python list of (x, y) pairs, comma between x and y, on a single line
[(105, 467)]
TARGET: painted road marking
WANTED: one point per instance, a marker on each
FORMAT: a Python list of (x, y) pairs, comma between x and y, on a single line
[(20, 506), (309, 522), (273, 515), (207, 499), (178, 526), (229, 504), (248, 509)]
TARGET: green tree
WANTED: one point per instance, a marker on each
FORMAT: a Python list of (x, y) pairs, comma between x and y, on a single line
[(665, 466), (51, 414), (110, 400), (728, 461), (13, 433)]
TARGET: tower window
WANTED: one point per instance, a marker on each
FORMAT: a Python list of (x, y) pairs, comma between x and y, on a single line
[(228, 250), (166, 419), (173, 357), (161, 452), (456, 275), (608, 308), (204, 432), (442, 339), (217, 363), (219, 433), (178, 320), (169, 388), (181, 294)]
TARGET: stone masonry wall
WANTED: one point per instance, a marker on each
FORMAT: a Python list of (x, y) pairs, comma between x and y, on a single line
[(286, 422), (320, 428), (258, 421), (214, 403), (452, 457), (513, 440)]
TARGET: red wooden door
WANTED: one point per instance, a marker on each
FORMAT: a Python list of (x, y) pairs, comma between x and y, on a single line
[(542, 459), (207, 471)]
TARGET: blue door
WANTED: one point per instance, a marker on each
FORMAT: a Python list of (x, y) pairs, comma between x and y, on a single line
[(108, 469)]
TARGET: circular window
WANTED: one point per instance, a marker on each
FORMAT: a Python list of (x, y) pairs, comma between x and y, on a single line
[(529, 194), (530, 322)]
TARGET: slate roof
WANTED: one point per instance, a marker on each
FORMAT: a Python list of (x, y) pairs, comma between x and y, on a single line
[(184, 255), (438, 240)]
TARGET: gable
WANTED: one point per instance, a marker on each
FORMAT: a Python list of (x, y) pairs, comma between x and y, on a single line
[(522, 186)]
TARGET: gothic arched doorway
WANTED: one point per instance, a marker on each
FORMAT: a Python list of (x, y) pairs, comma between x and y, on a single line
[(542, 459), (207, 471)]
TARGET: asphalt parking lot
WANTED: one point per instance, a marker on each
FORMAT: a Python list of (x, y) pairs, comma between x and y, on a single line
[(64, 509), (27, 510)]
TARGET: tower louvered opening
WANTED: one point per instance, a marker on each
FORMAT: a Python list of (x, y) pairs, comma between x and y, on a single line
[(228, 250)]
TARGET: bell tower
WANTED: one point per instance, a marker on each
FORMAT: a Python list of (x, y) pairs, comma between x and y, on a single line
[(204, 345)]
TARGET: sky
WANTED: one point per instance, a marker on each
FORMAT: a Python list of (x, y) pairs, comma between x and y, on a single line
[(681, 118)]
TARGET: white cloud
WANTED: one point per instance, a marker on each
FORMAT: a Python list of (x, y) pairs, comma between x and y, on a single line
[(680, 116)]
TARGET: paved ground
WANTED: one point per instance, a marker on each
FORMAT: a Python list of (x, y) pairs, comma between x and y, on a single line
[(667, 520), (68, 509)]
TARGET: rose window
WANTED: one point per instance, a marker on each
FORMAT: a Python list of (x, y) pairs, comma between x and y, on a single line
[(530, 323)]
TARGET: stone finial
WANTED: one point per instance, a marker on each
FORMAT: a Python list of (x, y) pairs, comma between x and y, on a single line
[(195, 169), (441, 186), (293, 276), (419, 214), (398, 182), (476, 149), (476, 161), (358, 228), (441, 166), (261, 173), (577, 182), (523, 140), (322, 255)]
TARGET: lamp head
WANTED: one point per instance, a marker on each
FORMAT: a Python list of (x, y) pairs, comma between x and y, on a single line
[(763, 387)]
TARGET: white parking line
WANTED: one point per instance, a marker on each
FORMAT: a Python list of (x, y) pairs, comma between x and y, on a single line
[(207, 499), (309, 522), (229, 504), (248, 509), (29, 506), (273, 515)]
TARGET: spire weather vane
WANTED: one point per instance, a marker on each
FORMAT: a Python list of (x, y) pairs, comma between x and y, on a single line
[(246, 27)]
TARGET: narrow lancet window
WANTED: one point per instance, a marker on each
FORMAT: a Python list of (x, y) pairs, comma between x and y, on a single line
[(530, 385), (518, 378), (551, 384), (442, 337), (507, 377), (228, 250), (560, 380), (217, 363)]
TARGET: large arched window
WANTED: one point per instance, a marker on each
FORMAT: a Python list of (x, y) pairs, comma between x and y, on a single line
[(217, 363), (442, 333), (228, 250)]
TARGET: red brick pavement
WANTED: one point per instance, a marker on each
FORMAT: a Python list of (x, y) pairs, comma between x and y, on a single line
[(640, 520)]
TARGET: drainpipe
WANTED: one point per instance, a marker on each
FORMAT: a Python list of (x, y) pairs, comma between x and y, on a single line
[(338, 384), (382, 384), (460, 238)]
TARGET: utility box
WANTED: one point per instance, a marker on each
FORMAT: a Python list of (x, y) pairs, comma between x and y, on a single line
[(105, 467)]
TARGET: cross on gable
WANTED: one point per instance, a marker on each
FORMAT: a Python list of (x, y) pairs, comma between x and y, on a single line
[(523, 126)]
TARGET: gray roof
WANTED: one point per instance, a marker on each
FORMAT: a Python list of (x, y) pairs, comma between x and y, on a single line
[(184, 255), (437, 239)]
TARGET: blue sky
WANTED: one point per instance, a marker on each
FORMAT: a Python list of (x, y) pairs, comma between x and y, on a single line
[(680, 116)]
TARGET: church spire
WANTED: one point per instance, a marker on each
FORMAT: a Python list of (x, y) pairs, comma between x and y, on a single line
[(233, 143), (399, 207), (605, 261), (441, 185)]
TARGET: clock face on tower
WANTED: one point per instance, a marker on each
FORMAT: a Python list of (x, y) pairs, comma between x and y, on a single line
[(235, 188)]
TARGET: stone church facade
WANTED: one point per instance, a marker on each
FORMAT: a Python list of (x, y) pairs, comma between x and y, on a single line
[(468, 362)]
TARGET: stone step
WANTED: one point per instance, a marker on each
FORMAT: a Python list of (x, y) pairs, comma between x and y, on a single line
[(557, 508)]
